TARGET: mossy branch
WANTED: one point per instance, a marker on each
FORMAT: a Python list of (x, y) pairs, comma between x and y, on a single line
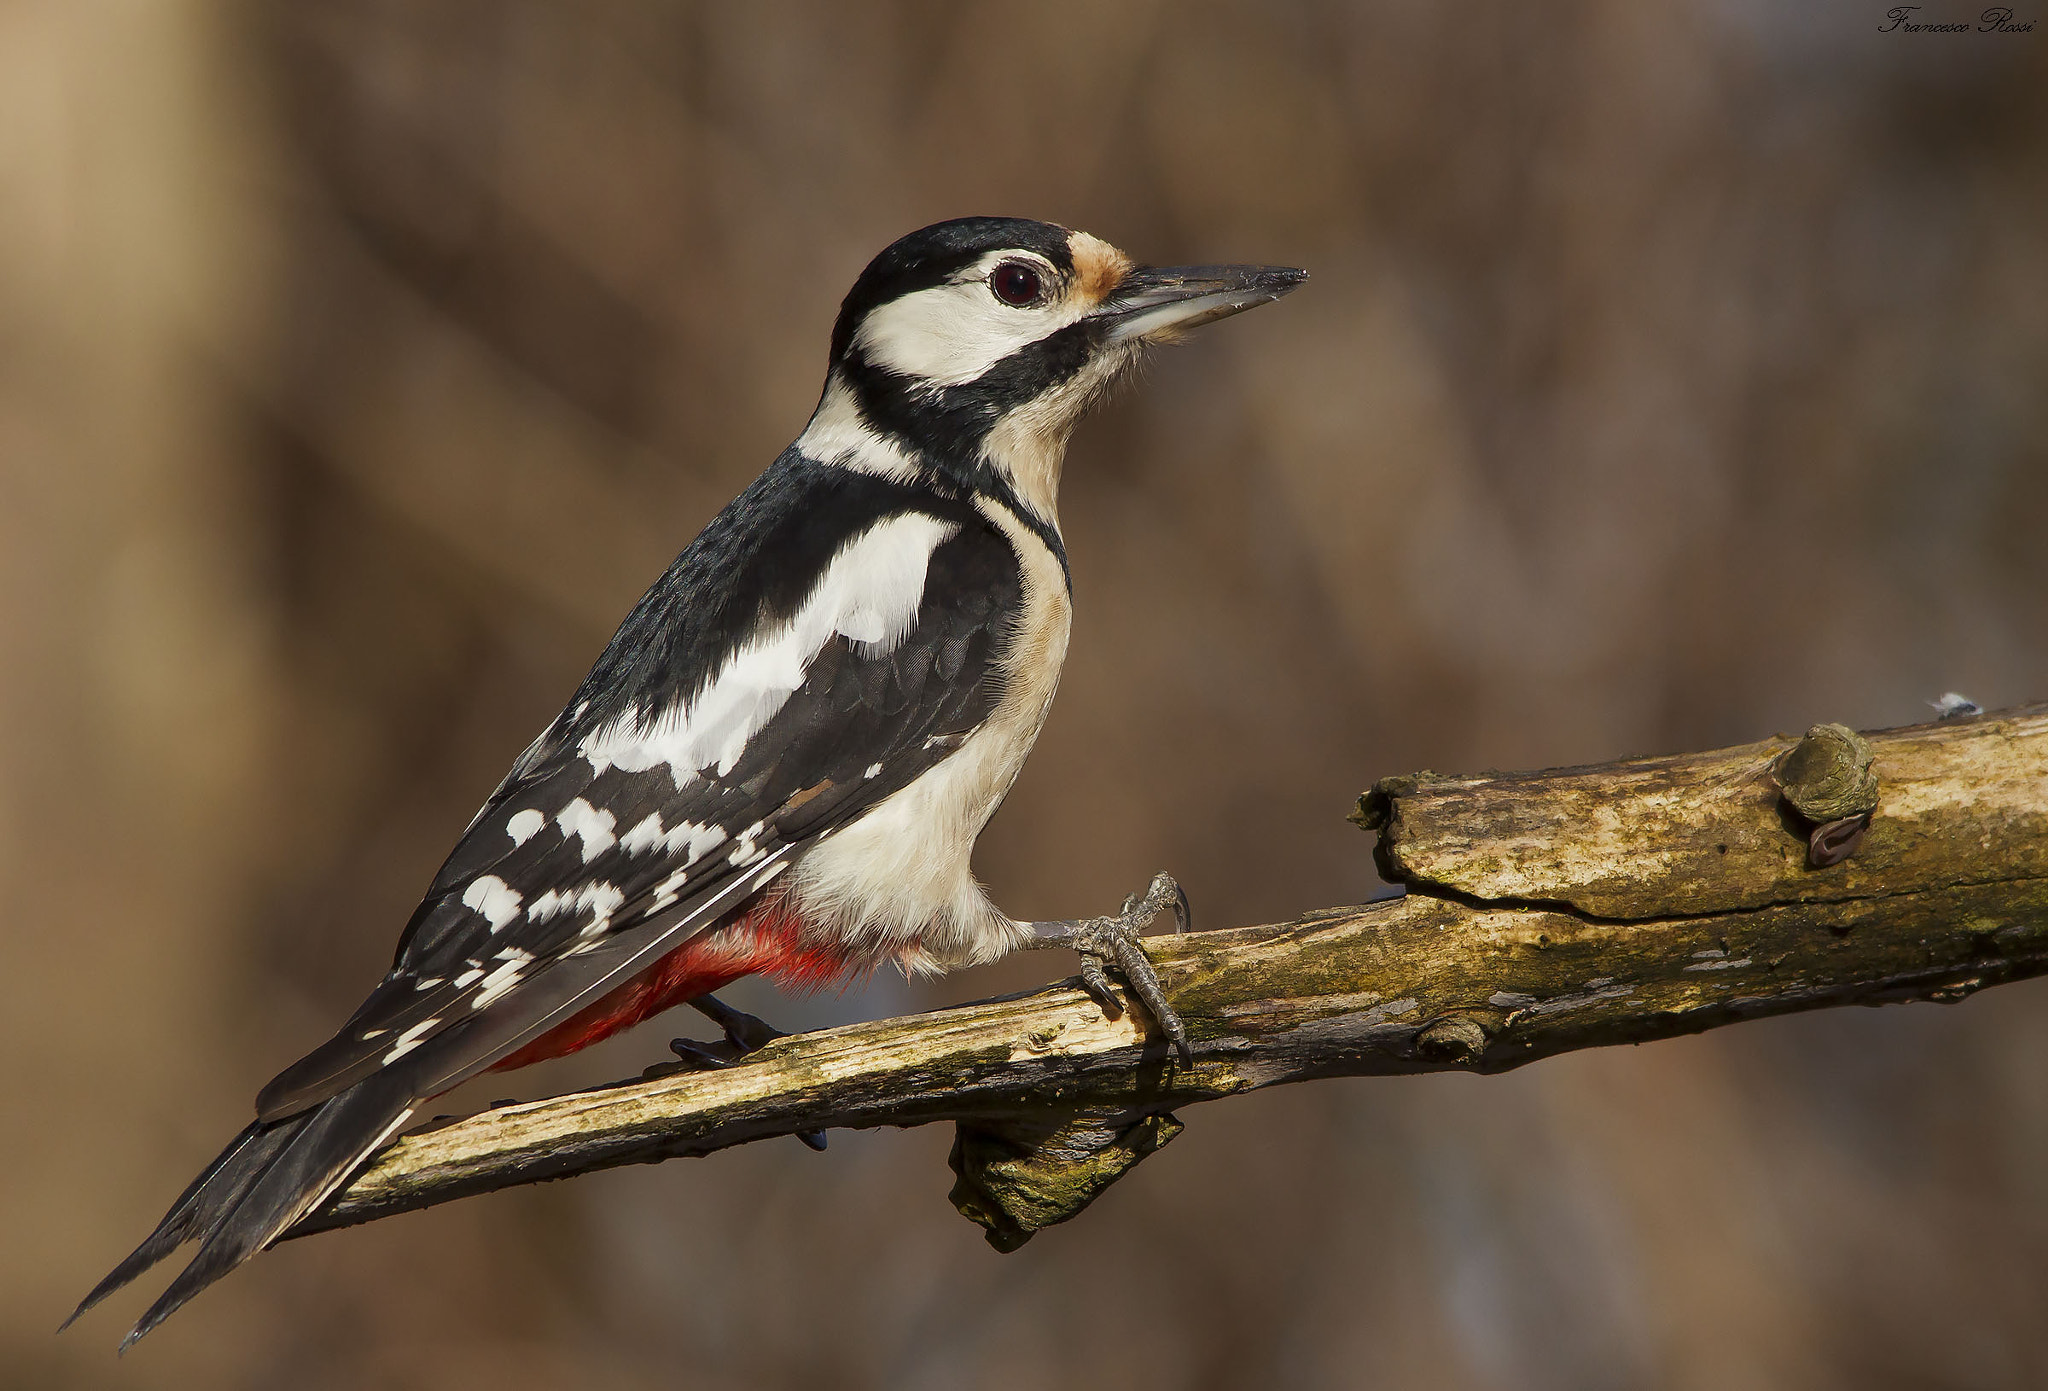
[(1544, 912)]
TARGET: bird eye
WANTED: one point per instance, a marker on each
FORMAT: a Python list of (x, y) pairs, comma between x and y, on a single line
[(1017, 284)]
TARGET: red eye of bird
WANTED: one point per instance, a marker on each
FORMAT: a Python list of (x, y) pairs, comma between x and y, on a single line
[(1016, 284)]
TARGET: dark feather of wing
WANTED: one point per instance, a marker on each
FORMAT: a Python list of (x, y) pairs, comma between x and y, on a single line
[(862, 725)]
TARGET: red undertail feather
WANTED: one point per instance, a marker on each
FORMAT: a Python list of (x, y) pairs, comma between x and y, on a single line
[(767, 940)]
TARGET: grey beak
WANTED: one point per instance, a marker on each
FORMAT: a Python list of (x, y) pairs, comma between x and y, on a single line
[(1159, 303)]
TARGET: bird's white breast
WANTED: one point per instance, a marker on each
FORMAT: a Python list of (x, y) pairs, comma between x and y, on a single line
[(898, 882)]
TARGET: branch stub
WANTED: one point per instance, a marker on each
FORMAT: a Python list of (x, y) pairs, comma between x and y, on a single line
[(1827, 775)]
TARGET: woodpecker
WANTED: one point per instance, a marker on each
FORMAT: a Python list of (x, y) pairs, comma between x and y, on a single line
[(781, 762)]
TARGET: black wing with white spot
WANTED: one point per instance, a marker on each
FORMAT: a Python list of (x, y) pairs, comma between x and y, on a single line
[(612, 842)]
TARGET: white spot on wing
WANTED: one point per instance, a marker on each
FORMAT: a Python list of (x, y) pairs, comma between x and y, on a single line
[(524, 824), (869, 594), (599, 899), (494, 898), (579, 818), (410, 1039), (665, 892), (689, 838), (497, 983), (744, 851)]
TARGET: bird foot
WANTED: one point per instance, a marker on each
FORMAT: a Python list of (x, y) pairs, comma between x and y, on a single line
[(744, 1034), (1116, 941)]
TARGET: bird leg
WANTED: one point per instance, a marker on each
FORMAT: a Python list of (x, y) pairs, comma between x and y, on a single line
[(1114, 941), (744, 1034)]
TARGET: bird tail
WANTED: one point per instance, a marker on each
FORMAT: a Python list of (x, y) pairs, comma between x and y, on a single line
[(268, 1177)]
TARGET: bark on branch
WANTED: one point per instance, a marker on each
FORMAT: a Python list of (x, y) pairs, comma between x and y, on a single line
[(1544, 912)]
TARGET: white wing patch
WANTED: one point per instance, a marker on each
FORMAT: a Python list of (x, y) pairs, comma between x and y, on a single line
[(525, 824), (668, 891), (690, 839), (579, 818), (500, 980), (494, 898), (597, 898), (950, 334), (410, 1039), (744, 851), (869, 595)]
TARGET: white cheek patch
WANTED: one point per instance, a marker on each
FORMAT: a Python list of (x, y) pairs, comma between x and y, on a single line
[(950, 334), (869, 595)]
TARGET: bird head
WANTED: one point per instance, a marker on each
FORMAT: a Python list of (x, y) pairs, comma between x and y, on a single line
[(968, 349)]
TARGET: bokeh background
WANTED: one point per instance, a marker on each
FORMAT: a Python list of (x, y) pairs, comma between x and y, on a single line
[(1671, 374)]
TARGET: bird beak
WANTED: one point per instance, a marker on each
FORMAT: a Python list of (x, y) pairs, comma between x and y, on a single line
[(1156, 304)]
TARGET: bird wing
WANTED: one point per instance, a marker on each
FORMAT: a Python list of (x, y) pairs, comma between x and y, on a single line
[(625, 830)]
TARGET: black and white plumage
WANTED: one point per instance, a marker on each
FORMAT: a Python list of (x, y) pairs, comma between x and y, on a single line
[(782, 760)]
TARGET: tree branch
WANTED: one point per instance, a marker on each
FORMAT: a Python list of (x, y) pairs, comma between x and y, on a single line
[(1544, 912)]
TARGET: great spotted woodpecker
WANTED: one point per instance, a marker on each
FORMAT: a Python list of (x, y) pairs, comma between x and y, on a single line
[(780, 763)]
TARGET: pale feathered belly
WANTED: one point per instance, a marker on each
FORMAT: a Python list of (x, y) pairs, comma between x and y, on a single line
[(898, 883)]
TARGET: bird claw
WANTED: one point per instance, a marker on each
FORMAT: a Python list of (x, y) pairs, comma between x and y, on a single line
[(1116, 941), (698, 1057), (744, 1033)]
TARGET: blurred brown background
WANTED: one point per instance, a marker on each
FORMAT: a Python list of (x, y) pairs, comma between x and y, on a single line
[(1671, 374)]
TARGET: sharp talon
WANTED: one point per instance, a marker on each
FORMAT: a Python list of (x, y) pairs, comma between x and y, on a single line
[(1096, 984), (743, 1034), (742, 1030), (1115, 942), (1138, 969), (696, 1054)]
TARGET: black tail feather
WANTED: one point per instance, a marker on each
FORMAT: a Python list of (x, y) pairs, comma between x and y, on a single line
[(326, 1146), (265, 1180), (219, 1186)]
